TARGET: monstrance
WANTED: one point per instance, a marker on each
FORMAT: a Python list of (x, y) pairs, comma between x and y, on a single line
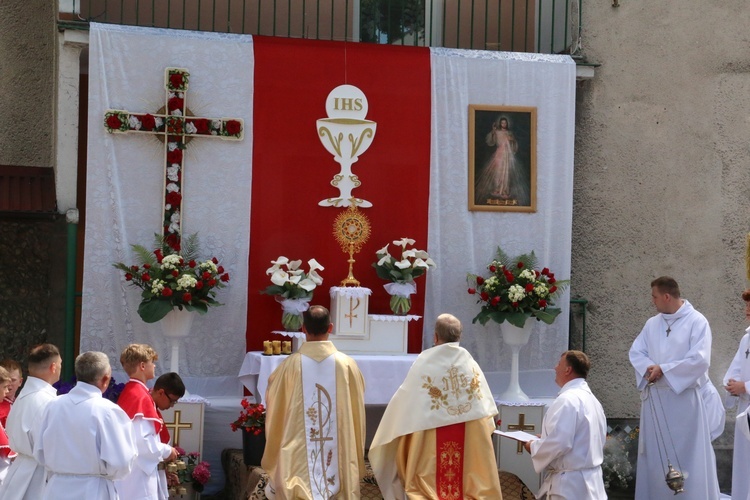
[(351, 229)]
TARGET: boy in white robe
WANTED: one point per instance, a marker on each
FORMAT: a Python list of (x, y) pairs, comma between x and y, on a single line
[(26, 478), (671, 357), (85, 441), (571, 449), (737, 383)]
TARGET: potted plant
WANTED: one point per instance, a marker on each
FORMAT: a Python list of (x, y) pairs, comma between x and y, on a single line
[(293, 288), (252, 422)]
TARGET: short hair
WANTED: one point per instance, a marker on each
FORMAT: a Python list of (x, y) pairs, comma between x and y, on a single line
[(317, 319), (746, 295), (171, 383), (11, 364), (578, 361), (91, 366), (4, 375), (42, 355), (448, 328), (134, 354), (666, 284)]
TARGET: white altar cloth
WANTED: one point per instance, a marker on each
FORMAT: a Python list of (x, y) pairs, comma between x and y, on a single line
[(383, 374)]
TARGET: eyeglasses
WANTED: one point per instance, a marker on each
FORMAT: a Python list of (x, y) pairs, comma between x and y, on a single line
[(172, 401)]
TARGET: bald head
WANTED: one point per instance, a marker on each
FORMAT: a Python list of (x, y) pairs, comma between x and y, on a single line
[(447, 329)]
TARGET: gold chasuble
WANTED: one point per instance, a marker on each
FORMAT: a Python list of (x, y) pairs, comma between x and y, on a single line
[(435, 438), (315, 425)]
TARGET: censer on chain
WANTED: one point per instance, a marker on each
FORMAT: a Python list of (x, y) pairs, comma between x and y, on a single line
[(674, 477)]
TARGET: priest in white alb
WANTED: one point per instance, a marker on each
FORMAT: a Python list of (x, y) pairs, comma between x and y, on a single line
[(85, 441), (671, 357), (315, 419), (435, 438), (570, 451), (26, 477)]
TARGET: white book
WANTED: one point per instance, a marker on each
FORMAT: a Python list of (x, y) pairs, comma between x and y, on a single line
[(518, 435)]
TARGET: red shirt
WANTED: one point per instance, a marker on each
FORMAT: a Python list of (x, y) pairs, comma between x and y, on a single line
[(136, 400)]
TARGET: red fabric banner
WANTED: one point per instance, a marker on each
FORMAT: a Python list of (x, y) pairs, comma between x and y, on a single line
[(449, 458), (292, 170)]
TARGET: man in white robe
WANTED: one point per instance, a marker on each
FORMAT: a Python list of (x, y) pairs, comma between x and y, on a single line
[(85, 441), (570, 451), (26, 478), (315, 420), (737, 383), (444, 408), (671, 357)]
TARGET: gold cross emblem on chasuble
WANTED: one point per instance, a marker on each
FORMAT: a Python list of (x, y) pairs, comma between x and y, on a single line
[(176, 425), (175, 126), (520, 426)]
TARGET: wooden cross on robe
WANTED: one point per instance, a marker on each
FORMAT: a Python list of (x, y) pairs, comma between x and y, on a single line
[(520, 426), (176, 426), (176, 127)]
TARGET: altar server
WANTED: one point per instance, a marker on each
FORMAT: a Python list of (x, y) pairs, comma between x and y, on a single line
[(737, 383), (86, 441), (6, 453), (16, 379), (168, 389), (443, 408), (315, 419), (26, 478), (143, 481), (571, 450), (671, 357)]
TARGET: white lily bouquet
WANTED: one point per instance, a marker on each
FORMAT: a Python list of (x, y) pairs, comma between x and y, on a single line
[(401, 273), (293, 288)]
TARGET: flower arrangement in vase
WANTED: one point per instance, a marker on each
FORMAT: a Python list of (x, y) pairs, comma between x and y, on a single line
[(401, 273), (169, 280), (515, 291), (293, 288)]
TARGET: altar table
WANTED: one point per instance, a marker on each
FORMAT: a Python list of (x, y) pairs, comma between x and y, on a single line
[(383, 374)]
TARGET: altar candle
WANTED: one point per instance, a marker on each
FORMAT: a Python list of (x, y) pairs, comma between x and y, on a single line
[(286, 347), (267, 347), (276, 346)]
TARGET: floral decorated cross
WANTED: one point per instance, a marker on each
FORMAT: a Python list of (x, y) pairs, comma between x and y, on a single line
[(173, 123)]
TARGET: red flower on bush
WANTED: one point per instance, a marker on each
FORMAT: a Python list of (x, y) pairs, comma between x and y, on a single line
[(187, 297), (224, 277), (472, 291), (167, 292), (485, 296)]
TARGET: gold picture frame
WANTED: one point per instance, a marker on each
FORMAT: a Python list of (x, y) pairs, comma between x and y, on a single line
[(502, 158)]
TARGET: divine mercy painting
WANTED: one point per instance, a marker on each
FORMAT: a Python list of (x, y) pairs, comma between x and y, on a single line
[(502, 158)]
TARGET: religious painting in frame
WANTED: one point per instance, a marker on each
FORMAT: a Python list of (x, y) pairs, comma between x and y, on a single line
[(502, 158)]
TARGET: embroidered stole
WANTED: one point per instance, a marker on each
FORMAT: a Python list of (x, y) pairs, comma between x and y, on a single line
[(449, 458), (319, 393)]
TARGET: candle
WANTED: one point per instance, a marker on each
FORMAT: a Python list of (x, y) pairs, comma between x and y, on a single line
[(267, 347), (276, 346), (286, 347)]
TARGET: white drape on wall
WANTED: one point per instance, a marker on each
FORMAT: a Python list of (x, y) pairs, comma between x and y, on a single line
[(124, 188), (463, 242)]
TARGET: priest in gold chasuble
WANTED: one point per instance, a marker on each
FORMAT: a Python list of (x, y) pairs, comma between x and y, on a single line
[(435, 438), (315, 420)]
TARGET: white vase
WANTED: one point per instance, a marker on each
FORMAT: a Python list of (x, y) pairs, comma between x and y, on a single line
[(516, 338), (176, 326)]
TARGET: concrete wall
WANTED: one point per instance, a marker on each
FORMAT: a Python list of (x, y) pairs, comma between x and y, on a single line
[(27, 80), (662, 175)]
